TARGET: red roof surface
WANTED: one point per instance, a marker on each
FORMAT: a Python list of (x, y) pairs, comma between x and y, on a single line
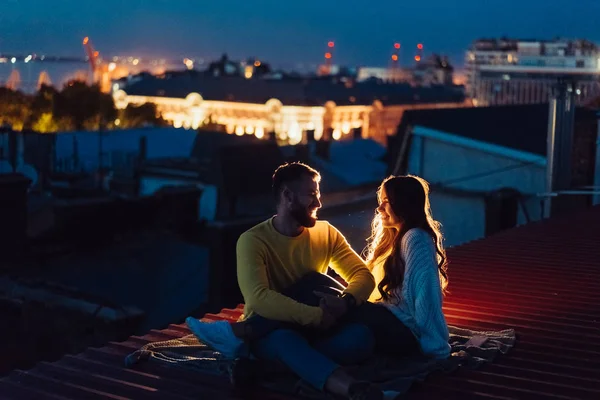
[(541, 279)]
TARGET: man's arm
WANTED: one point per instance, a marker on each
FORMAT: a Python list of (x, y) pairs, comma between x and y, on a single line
[(254, 284), (351, 267)]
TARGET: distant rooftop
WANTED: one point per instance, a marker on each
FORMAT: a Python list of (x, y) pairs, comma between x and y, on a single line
[(290, 91), (520, 127), (515, 44)]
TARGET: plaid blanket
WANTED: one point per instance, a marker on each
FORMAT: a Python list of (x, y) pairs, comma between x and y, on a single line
[(470, 349)]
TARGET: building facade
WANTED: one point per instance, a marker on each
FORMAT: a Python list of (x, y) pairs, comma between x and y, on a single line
[(292, 110), (509, 71)]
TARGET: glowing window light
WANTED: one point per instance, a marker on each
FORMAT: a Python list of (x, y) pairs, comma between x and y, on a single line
[(259, 133), (318, 133), (249, 130), (239, 130), (310, 126), (178, 123), (248, 72), (230, 129), (337, 134), (295, 134), (346, 128)]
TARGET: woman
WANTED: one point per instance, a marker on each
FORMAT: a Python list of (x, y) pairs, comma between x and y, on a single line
[(406, 257)]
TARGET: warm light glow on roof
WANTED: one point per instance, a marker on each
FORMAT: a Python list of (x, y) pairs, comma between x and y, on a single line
[(337, 134)]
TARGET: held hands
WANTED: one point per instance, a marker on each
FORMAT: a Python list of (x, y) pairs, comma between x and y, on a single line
[(328, 320), (334, 305)]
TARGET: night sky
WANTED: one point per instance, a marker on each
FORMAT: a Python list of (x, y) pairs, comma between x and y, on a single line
[(285, 32)]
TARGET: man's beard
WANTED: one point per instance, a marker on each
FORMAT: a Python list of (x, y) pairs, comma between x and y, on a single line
[(302, 215)]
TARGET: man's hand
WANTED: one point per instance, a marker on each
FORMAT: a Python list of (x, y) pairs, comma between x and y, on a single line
[(328, 320), (335, 305)]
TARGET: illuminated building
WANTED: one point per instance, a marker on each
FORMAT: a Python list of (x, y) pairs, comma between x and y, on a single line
[(507, 71), (292, 109)]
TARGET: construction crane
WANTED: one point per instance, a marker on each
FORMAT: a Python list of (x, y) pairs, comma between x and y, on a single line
[(92, 57), (102, 73)]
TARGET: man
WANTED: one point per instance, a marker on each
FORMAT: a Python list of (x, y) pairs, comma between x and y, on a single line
[(280, 264)]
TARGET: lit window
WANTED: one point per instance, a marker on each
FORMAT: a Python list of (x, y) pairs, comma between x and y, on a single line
[(259, 133)]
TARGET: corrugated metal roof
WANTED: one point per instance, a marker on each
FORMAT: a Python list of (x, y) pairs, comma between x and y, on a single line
[(541, 279)]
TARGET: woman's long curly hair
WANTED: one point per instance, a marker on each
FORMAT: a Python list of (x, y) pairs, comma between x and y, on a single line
[(409, 199)]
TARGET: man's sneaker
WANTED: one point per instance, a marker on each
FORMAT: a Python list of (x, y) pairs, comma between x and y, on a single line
[(217, 335), (364, 391)]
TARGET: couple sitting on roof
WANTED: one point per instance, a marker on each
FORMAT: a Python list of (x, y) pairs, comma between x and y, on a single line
[(297, 315)]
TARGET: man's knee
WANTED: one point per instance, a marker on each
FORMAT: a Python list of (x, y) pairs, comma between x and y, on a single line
[(360, 339), (282, 338), (353, 344)]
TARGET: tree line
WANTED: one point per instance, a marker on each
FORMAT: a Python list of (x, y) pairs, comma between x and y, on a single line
[(76, 107)]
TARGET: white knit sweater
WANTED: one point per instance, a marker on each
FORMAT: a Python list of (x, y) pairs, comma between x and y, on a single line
[(420, 305)]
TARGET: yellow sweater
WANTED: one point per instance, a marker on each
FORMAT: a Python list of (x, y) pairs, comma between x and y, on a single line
[(268, 262)]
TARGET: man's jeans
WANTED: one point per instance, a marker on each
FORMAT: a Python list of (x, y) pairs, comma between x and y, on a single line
[(312, 355)]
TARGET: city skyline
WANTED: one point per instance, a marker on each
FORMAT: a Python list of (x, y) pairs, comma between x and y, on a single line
[(284, 33)]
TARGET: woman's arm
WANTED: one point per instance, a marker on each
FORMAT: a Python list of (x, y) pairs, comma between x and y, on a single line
[(418, 251)]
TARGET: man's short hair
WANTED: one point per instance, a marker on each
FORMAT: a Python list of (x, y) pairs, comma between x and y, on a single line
[(291, 172)]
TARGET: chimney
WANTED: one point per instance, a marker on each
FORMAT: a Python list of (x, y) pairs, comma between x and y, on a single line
[(561, 120), (13, 214)]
